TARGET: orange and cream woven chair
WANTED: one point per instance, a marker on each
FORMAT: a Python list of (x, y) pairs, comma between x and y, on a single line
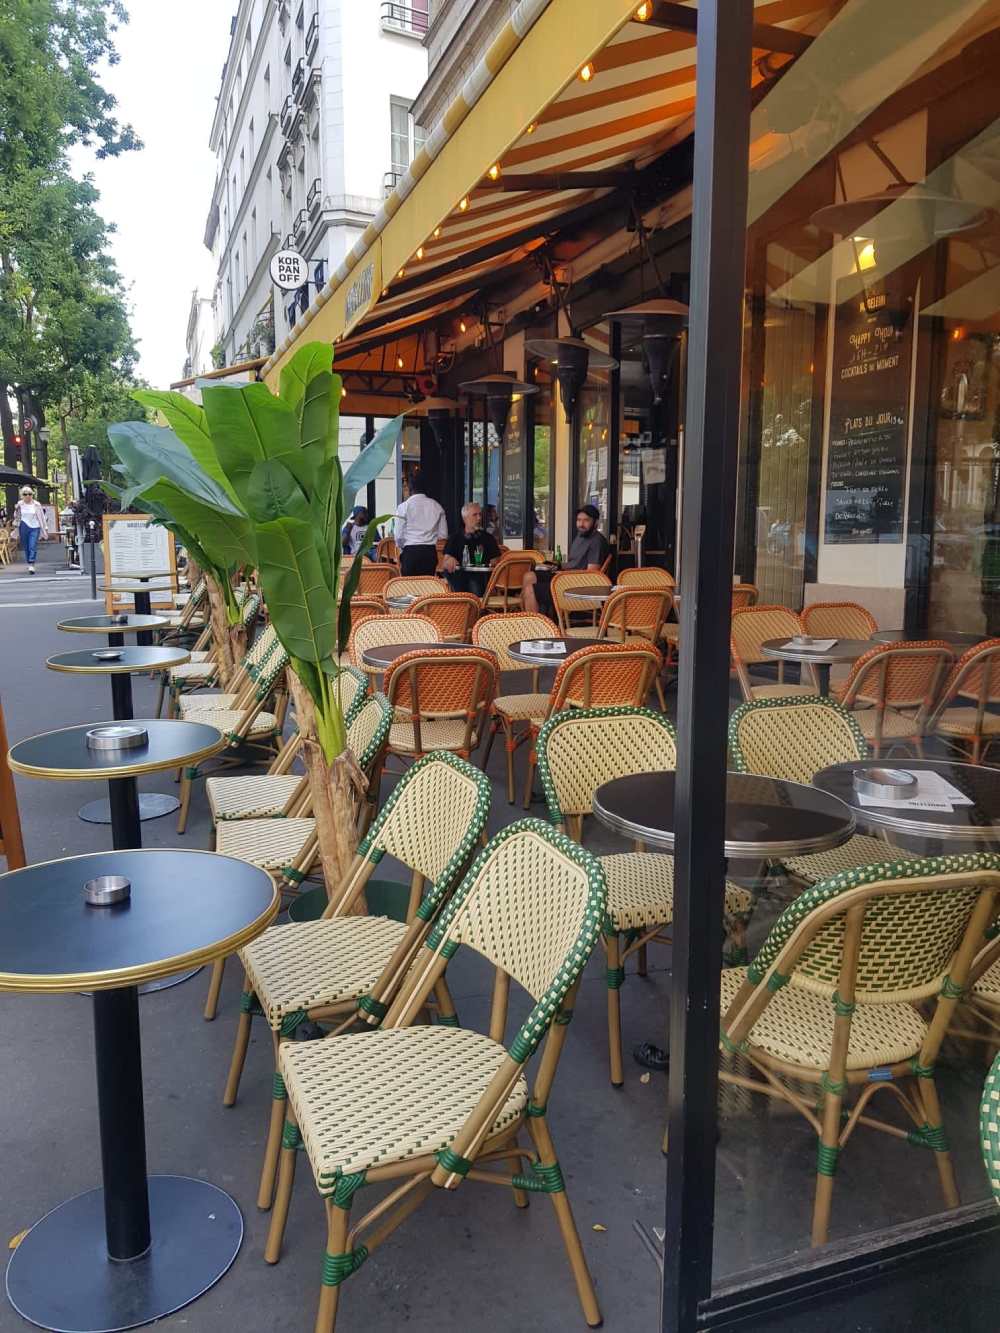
[(649, 576), (752, 626), (564, 607), (892, 690), (577, 752), (378, 631), (387, 552), (454, 614), (973, 685), (496, 634), (833, 1000), (441, 700), (415, 585), (838, 620), (503, 589), (429, 1106), (350, 964), (744, 595), (374, 577), (794, 739), (637, 613), (601, 676)]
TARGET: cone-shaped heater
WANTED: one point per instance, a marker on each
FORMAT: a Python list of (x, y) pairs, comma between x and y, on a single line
[(499, 392), (660, 323), (573, 359)]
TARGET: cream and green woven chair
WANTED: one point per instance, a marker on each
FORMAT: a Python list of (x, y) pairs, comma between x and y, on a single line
[(497, 633), (432, 1106), (835, 999), (240, 688), (794, 739), (989, 1127), (577, 752), (287, 847), (353, 965), (190, 617), (203, 668)]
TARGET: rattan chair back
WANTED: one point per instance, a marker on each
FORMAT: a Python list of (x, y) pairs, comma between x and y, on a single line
[(582, 748), (497, 632), (839, 620), (415, 585), (975, 680), (454, 614), (899, 675), (503, 590), (378, 631), (387, 552), (364, 607), (351, 686), (374, 577), (744, 595), (564, 581), (368, 729), (649, 576), (604, 675), (446, 684), (635, 613), (793, 738), (754, 625), (989, 1127)]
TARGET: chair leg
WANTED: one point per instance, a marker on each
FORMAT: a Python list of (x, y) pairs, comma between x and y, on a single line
[(185, 798), (214, 987), (488, 750), (542, 1139), (508, 745), (641, 961), (659, 692), (529, 780), (927, 1092), (290, 1140), (272, 1147), (447, 1015), (337, 1227), (616, 975), (239, 1049), (160, 693), (827, 1149)]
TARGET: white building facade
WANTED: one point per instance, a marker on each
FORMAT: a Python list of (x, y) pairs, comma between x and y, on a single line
[(312, 127)]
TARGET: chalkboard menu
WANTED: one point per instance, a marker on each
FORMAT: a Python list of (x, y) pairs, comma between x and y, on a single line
[(869, 415), (512, 501)]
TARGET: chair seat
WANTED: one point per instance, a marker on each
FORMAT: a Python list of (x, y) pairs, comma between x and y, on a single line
[(988, 985), (198, 703), (962, 722), (174, 620), (641, 890), (522, 707), (445, 733), (310, 963), (188, 671), (271, 844), (200, 655), (495, 602), (893, 724), (857, 851), (781, 691), (254, 796), (228, 719), (797, 1026), (374, 1098)]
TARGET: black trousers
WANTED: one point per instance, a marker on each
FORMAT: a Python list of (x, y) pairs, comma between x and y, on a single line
[(418, 560)]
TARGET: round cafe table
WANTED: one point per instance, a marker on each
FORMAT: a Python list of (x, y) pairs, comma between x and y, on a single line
[(522, 651), (141, 1246), (121, 668), (841, 653), (974, 827), (141, 591), (955, 637), (594, 594), (383, 655), (116, 628)]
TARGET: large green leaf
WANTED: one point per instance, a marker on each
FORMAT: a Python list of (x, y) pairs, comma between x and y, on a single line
[(249, 425), (189, 424), (308, 362), (373, 457), (227, 538), (272, 492), (150, 453), (302, 605)]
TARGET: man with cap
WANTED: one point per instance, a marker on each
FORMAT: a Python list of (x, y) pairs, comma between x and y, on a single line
[(589, 550), (353, 532)]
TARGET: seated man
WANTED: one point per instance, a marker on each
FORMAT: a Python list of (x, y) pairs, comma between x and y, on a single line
[(589, 550), (481, 547)]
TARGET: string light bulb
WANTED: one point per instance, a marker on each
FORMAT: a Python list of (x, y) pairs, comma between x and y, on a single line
[(420, 252), (644, 11), (437, 231), (463, 203), (494, 172), (399, 363), (401, 273), (462, 326), (587, 72), (532, 127)]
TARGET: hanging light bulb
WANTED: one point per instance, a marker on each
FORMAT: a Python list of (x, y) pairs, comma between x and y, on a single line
[(462, 326), (644, 11), (494, 172), (420, 252), (399, 363), (437, 231), (463, 203)]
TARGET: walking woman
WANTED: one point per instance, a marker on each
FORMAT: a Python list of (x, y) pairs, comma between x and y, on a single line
[(29, 515)]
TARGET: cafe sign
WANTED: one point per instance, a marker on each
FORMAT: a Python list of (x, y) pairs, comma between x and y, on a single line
[(289, 270), (363, 287)]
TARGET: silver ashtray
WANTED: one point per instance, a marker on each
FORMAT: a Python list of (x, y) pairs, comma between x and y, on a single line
[(108, 654), (106, 890), (802, 641), (119, 618), (891, 784), (117, 736)]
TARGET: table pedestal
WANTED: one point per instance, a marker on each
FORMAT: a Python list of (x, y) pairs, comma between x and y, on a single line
[(142, 603)]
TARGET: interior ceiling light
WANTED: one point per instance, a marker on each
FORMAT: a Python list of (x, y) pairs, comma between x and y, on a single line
[(660, 323), (499, 391), (572, 359), (587, 72), (463, 327), (399, 363), (917, 211), (532, 127)]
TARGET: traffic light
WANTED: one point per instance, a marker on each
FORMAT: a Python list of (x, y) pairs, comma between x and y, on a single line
[(18, 442)]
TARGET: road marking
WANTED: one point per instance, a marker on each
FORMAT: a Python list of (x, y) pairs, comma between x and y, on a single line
[(77, 601)]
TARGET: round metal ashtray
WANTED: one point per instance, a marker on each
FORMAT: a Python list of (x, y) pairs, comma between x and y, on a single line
[(109, 654), (106, 890), (117, 736), (892, 784), (802, 641), (119, 618)]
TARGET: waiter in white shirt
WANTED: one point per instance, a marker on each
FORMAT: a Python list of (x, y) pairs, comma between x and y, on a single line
[(420, 522)]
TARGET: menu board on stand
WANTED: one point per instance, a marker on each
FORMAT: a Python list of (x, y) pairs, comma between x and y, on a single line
[(133, 544)]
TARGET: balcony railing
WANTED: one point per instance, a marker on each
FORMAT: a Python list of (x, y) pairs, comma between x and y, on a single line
[(310, 87), (403, 18), (312, 36), (315, 196), (389, 182), (298, 77), (287, 113), (301, 224), (289, 242)]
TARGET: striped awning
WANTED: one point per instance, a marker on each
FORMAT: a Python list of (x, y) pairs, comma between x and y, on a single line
[(570, 100)]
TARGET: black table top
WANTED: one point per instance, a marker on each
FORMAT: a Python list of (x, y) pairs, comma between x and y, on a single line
[(64, 755), (105, 625), (384, 654), (589, 592), (186, 908), (523, 654), (952, 636), (765, 817), (979, 822), (844, 650), (131, 659)]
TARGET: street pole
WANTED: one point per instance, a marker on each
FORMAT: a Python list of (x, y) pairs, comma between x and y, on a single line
[(93, 561)]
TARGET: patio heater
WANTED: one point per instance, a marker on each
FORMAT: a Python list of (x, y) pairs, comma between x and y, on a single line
[(499, 391), (573, 359), (660, 323)]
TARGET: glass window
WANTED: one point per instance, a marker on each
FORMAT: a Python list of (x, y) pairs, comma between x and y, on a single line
[(541, 480), (594, 451), (399, 135)]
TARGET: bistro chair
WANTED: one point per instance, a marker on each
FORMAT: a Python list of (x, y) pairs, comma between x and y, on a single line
[(441, 700), (203, 667), (346, 964), (973, 685), (6, 546), (432, 1106), (637, 613), (503, 589), (600, 676), (577, 752), (363, 607), (752, 626), (744, 595), (794, 739), (415, 585), (892, 690), (565, 580), (838, 620), (649, 576), (833, 1000), (190, 617), (980, 1005), (989, 1127), (183, 683), (387, 552), (496, 634), (11, 838), (454, 614), (379, 631), (374, 577)]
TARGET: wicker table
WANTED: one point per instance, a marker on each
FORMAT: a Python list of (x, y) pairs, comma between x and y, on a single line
[(141, 1246), (840, 653), (141, 626), (152, 805)]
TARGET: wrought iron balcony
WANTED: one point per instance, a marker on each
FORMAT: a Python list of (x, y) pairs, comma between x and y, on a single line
[(287, 114), (403, 18), (289, 242), (312, 36), (315, 196), (311, 86), (301, 224), (298, 77)]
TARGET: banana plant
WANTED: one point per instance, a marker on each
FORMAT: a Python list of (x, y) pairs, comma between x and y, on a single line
[(256, 478)]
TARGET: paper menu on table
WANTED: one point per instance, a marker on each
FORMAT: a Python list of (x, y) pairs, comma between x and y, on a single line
[(544, 646), (817, 646), (934, 792)]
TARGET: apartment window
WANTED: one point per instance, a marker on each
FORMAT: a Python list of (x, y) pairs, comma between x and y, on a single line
[(229, 297), (399, 135), (246, 265), (253, 232), (247, 46), (243, 171), (236, 197), (251, 136), (236, 277)]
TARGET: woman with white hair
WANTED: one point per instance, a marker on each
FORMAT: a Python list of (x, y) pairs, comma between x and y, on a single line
[(29, 515)]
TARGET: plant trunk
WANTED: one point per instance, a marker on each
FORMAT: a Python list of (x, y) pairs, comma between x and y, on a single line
[(220, 629), (335, 788)]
